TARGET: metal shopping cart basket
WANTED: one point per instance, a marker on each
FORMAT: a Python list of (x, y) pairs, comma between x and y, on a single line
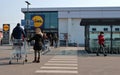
[(19, 52), (46, 46)]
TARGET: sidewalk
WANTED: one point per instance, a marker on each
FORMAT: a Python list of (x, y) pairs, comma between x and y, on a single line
[(68, 48)]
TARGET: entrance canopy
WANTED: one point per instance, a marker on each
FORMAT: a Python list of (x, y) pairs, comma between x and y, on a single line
[(111, 29), (101, 21)]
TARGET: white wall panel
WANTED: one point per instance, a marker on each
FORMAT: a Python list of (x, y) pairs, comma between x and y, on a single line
[(111, 14), (63, 25), (89, 14), (77, 32)]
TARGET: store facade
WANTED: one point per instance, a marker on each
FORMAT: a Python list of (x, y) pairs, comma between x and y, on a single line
[(68, 23)]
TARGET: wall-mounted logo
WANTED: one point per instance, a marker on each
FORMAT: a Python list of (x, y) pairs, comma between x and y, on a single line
[(38, 21)]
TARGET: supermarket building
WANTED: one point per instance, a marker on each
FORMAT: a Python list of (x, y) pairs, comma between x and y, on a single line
[(79, 25)]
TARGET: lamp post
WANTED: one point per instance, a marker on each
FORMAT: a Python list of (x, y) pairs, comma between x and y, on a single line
[(27, 18), (27, 6)]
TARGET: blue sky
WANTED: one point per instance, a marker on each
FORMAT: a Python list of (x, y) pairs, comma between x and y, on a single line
[(11, 9)]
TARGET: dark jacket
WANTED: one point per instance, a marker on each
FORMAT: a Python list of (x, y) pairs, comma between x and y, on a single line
[(18, 33), (38, 41), (55, 38)]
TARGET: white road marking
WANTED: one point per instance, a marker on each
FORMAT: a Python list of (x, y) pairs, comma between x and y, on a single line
[(56, 71), (62, 61), (48, 67), (52, 64), (60, 64), (65, 59)]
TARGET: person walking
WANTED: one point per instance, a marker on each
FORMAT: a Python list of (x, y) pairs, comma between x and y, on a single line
[(38, 37), (18, 32), (45, 36), (45, 39), (55, 40), (1, 37), (50, 39), (17, 35), (101, 41), (17, 39)]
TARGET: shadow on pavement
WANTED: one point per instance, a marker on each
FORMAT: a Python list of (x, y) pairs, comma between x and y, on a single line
[(13, 63), (79, 53), (6, 58), (67, 52), (5, 62)]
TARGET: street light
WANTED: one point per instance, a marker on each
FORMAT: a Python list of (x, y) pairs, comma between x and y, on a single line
[(27, 19), (27, 6), (27, 2)]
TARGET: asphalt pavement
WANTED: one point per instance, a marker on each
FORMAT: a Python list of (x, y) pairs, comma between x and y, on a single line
[(60, 61)]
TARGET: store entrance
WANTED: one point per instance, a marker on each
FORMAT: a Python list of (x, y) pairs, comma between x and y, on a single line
[(93, 37), (111, 35), (50, 34), (111, 29)]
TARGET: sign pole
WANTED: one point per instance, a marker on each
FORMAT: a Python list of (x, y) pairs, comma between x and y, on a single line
[(6, 33)]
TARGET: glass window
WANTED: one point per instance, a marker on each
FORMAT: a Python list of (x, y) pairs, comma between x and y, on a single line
[(117, 29), (47, 20), (53, 20), (93, 29), (105, 29), (116, 38)]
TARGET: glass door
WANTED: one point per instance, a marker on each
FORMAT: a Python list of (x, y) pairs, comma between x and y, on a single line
[(116, 39), (93, 37)]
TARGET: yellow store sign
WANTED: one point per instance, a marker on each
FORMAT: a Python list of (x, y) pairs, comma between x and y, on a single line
[(38, 21), (6, 27)]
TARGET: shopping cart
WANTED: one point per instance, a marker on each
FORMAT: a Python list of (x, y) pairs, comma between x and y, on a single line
[(46, 47), (19, 52)]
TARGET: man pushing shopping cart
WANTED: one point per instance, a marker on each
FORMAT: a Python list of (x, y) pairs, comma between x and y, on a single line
[(19, 44)]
